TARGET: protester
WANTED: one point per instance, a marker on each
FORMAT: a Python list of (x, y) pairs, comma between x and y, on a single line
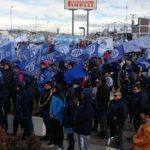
[(10, 81), (17, 69), (139, 102), (68, 114), (117, 115), (21, 111), (102, 99), (44, 103), (29, 87), (83, 119), (95, 74), (4, 101), (142, 138), (55, 114), (59, 82), (44, 76)]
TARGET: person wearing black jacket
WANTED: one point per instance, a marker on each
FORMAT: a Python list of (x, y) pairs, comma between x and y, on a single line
[(116, 118), (29, 87), (10, 81), (21, 110), (83, 119), (102, 100), (95, 74), (139, 102), (44, 103), (4, 100), (68, 113)]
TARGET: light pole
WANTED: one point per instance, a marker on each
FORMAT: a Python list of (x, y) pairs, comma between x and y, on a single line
[(35, 23), (114, 23), (11, 7), (82, 28)]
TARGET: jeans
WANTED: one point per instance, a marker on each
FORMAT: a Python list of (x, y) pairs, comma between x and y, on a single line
[(83, 142)]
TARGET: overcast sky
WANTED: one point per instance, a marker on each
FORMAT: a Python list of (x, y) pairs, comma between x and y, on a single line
[(51, 14)]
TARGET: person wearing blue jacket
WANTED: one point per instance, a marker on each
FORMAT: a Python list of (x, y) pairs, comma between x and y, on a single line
[(44, 76), (83, 119), (56, 113)]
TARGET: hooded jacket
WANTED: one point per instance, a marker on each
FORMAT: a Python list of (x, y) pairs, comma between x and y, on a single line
[(10, 78), (84, 114), (56, 108), (139, 102), (21, 103), (142, 139)]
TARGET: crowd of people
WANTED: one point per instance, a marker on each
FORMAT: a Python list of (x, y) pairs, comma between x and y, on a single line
[(83, 106)]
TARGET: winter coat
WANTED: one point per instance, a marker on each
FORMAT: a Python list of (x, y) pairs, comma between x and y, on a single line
[(94, 76), (103, 98), (139, 102), (10, 80), (22, 104), (44, 101), (69, 109), (142, 139), (83, 117), (117, 112), (56, 108), (4, 99)]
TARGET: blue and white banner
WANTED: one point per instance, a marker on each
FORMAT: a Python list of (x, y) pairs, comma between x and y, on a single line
[(116, 54), (62, 48), (80, 54), (44, 49), (101, 50), (136, 45), (7, 51)]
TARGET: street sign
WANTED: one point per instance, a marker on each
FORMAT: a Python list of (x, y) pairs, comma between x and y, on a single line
[(80, 17), (80, 4)]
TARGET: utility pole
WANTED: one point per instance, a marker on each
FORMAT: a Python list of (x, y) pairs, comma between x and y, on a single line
[(73, 22), (11, 7), (133, 16), (88, 24), (35, 23), (126, 20)]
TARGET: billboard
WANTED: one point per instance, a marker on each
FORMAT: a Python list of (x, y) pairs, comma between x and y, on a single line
[(80, 4), (80, 17)]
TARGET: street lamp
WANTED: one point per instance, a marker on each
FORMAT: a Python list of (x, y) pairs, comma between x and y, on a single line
[(83, 28), (11, 7), (35, 23)]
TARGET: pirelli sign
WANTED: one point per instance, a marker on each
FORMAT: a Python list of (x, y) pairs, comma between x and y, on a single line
[(80, 4)]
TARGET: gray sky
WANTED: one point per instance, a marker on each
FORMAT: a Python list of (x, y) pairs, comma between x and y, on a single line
[(51, 14)]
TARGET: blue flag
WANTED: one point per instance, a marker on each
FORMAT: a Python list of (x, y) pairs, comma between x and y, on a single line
[(74, 74), (44, 49), (116, 54), (142, 61), (7, 51), (24, 53)]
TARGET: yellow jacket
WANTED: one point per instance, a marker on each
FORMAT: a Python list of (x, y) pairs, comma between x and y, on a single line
[(142, 139)]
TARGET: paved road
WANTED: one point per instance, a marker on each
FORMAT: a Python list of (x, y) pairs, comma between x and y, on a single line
[(100, 144)]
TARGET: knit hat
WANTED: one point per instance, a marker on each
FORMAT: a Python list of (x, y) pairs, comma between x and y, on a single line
[(45, 63)]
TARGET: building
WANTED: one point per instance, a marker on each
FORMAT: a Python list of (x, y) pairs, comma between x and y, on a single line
[(142, 28)]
